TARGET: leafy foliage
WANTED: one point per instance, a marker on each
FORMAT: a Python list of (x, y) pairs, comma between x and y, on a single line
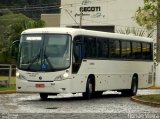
[(10, 29), (12, 24), (136, 32), (147, 16)]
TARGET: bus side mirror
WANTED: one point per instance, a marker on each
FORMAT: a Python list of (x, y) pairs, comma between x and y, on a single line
[(14, 49)]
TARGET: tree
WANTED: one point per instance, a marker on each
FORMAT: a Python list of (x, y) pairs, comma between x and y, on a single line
[(14, 30), (149, 17), (10, 30), (135, 31)]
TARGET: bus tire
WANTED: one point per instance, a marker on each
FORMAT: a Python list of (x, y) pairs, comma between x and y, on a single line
[(43, 96), (134, 86), (89, 90)]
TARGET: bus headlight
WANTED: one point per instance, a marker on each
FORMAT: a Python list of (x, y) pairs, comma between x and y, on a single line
[(20, 76), (17, 74), (65, 75), (62, 77)]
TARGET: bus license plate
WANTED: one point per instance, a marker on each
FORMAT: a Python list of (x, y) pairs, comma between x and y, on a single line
[(39, 85)]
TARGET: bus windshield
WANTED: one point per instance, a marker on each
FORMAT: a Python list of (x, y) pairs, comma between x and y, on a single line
[(47, 52)]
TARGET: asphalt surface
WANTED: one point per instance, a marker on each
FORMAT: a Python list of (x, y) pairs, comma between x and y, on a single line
[(67, 106)]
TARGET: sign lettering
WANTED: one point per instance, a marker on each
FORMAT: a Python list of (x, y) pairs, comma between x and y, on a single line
[(90, 9)]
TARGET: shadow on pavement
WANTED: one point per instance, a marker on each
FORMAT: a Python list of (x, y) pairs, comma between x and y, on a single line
[(80, 98)]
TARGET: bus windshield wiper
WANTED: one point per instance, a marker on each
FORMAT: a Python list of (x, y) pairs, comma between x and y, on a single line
[(48, 61), (32, 61)]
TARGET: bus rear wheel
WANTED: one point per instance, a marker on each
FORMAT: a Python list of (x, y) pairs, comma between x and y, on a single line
[(43, 96), (134, 86), (89, 90)]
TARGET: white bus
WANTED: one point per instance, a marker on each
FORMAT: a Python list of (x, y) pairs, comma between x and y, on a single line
[(67, 60)]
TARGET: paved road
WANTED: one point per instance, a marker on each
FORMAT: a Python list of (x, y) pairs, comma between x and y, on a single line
[(110, 105)]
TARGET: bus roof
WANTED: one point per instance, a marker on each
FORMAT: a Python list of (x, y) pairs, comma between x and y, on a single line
[(77, 31)]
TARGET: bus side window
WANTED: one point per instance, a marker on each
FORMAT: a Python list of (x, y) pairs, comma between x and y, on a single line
[(90, 47), (102, 48), (136, 50), (126, 49), (146, 51), (114, 48), (78, 49), (129, 53), (77, 53)]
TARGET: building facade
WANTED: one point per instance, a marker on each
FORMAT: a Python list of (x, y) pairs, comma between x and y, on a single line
[(112, 13), (51, 20)]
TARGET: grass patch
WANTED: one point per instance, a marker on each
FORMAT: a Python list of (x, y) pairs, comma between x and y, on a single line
[(12, 83), (150, 98), (12, 80), (11, 87)]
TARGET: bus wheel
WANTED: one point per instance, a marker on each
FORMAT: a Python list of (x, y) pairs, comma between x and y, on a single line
[(134, 86), (43, 96), (133, 90), (89, 90)]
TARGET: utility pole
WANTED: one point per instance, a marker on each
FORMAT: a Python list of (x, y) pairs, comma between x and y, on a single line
[(80, 22), (157, 83), (70, 15), (158, 32)]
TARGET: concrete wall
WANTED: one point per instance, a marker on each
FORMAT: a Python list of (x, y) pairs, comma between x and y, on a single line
[(51, 20)]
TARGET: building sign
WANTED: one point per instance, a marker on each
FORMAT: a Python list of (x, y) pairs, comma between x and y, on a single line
[(116, 13), (87, 12), (90, 9)]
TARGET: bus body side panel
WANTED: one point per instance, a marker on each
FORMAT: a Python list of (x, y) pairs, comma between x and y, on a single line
[(113, 74)]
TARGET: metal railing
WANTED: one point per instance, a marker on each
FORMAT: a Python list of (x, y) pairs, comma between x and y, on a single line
[(5, 67)]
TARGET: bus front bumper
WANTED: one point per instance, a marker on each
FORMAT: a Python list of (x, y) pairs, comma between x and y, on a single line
[(44, 87)]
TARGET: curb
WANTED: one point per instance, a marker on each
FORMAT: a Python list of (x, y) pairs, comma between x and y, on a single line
[(154, 87), (153, 104), (7, 92)]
